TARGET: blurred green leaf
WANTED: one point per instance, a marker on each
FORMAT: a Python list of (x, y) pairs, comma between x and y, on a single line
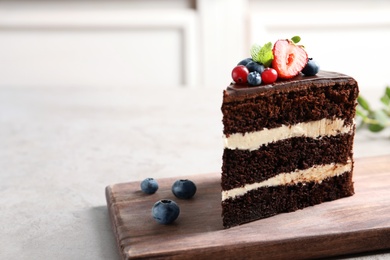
[(374, 120), (363, 103), (388, 92), (381, 117), (375, 127), (385, 100), (361, 114)]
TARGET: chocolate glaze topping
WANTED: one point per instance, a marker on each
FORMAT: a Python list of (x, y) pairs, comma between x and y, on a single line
[(298, 82)]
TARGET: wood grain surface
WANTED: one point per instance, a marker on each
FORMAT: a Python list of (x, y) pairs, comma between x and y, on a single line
[(356, 224)]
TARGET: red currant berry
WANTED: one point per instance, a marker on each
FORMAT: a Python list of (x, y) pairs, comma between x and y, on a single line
[(240, 74), (269, 76)]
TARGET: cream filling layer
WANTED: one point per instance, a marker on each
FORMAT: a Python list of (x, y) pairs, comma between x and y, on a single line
[(316, 173), (314, 129)]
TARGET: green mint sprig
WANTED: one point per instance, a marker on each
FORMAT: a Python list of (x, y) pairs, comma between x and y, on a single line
[(374, 120), (262, 54)]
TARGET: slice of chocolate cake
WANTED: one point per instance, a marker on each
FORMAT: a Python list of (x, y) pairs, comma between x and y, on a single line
[(288, 145)]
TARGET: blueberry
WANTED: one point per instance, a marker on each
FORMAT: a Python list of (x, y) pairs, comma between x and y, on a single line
[(184, 189), (165, 211), (254, 78), (311, 68), (254, 66), (149, 186), (245, 61)]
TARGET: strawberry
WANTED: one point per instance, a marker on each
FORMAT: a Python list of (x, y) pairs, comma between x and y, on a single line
[(289, 58)]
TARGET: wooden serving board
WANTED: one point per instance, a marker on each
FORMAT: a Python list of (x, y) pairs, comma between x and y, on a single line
[(356, 224)]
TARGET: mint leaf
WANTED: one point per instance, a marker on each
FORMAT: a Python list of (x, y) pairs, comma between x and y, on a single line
[(266, 54), (363, 103), (263, 54), (255, 52), (296, 39)]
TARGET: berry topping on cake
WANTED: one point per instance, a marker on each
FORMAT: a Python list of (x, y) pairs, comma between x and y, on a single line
[(254, 66), (269, 76), (245, 61), (311, 68), (254, 78), (289, 58), (282, 60), (240, 74)]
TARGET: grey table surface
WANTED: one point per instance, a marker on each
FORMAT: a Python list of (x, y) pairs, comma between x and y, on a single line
[(60, 148)]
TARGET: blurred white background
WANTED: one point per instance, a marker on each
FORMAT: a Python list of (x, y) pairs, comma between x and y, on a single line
[(81, 108), (139, 43)]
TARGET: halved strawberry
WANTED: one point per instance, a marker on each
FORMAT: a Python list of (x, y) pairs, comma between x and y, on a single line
[(289, 59)]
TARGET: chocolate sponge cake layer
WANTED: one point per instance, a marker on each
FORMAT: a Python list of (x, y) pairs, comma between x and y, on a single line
[(304, 99), (268, 201), (242, 167)]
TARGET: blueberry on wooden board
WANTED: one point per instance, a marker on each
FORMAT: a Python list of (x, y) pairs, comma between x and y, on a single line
[(149, 186), (184, 189), (165, 211)]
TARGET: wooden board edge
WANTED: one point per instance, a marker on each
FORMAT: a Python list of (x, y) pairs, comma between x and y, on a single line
[(113, 218), (355, 242)]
